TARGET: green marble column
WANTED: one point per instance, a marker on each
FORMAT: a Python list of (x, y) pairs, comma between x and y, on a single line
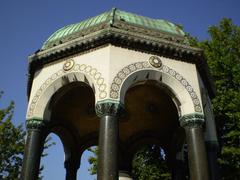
[(178, 171), (71, 167), (33, 149), (212, 151), (109, 112), (197, 157)]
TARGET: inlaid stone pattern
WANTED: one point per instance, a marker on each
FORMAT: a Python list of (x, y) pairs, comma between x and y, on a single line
[(126, 71), (187, 86), (69, 67), (123, 74)]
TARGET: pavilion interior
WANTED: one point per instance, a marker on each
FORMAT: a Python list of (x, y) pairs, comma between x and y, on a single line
[(151, 116)]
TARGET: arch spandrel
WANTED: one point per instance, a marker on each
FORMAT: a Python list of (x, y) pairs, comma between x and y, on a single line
[(69, 73), (155, 70)]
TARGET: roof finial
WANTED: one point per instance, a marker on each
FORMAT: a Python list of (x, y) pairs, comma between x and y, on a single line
[(112, 16)]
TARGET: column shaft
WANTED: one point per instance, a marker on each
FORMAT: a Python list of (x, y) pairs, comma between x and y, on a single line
[(108, 147), (212, 149), (178, 172), (71, 165), (198, 166), (32, 155), (71, 174)]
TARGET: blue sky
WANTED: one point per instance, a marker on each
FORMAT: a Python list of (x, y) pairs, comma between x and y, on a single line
[(26, 24)]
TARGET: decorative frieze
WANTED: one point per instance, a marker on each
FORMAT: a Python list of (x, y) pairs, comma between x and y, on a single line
[(122, 76), (185, 84), (110, 108), (154, 63), (68, 67), (195, 120)]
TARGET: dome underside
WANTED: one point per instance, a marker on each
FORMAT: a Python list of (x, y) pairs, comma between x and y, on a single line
[(110, 18)]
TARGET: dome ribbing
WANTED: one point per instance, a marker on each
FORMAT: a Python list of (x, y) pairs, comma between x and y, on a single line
[(109, 18)]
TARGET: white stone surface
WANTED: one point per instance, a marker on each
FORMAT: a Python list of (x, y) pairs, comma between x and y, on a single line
[(101, 66)]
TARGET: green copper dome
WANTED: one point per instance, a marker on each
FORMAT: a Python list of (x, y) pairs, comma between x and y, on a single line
[(109, 18)]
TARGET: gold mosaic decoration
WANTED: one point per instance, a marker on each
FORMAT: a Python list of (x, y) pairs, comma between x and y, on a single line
[(68, 65), (155, 61)]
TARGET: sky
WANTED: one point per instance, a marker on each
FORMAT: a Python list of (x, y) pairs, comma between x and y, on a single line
[(26, 24)]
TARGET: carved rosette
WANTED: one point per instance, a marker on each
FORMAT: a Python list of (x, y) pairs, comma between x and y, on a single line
[(155, 61), (68, 65), (194, 120), (109, 108), (35, 124)]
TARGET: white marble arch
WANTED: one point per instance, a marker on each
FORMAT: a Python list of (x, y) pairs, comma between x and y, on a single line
[(181, 91), (38, 107)]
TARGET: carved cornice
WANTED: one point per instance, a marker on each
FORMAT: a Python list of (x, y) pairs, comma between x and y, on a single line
[(120, 37), (35, 124), (109, 108), (194, 120)]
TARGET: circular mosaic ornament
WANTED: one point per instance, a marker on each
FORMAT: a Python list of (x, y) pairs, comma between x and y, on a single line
[(68, 65), (155, 61), (103, 94)]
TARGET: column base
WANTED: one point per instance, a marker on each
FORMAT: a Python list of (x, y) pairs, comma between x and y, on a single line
[(124, 175)]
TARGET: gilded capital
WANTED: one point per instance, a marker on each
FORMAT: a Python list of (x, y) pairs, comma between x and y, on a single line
[(194, 120)]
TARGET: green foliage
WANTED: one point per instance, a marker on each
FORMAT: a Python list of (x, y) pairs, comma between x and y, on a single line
[(149, 163), (222, 52), (11, 145), (12, 142), (93, 160)]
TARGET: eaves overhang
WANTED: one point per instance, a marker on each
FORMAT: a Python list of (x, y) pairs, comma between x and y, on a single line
[(162, 45)]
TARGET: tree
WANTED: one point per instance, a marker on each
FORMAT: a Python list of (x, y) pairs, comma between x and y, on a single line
[(11, 145), (12, 142), (222, 52), (148, 163), (93, 160)]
